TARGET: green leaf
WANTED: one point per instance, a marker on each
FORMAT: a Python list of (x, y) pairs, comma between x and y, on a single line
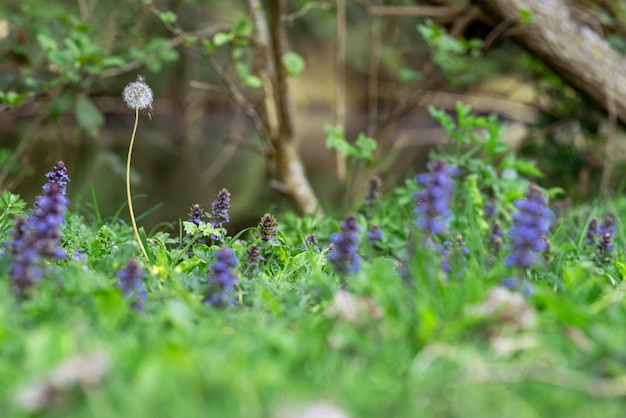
[(242, 70), (113, 61), (335, 139), (208, 45), (528, 167), (294, 63), (190, 228), (253, 81), (46, 42), (144, 241), (13, 98), (167, 17), (366, 147), (222, 38), (408, 75), (88, 116), (526, 16), (61, 103), (190, 41), (243, 27)]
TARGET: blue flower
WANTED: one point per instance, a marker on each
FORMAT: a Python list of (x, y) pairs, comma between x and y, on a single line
[(592, 231), (433, 201), (608, 224), (513, 283), (25, 270), (222, 279), (131, 284), (450, 252), (375, 234), (196, 213), (254, 258), (59, 176), (605, 245), (46, 219), (39, 236), (219, 209), (344, 255), (268, 227), (531, 224), (310, 241)]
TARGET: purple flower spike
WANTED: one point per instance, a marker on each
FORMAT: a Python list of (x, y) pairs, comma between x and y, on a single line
[(39, 236), (375, 235), (59, 176), (219, 209), (268, 227), (310, 241), (373, 192), (515, 284), (592, 231), (196, 213), (222, 279), (254, 258), (45, 220), (605, 246), (25, 271), (344, 256), (531, 224), (433, 201), (608, 224), (131, 284)]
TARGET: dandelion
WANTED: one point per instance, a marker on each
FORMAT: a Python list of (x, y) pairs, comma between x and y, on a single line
[(344, 256), (137, 95), (531, 223), (268, 227), (222, 279), (433, 201), (131, 284)]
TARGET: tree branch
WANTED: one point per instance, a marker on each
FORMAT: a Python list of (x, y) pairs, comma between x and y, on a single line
[(278, 105)]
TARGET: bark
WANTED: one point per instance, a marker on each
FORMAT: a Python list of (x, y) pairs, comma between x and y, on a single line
[(569, 46), (277, 106)]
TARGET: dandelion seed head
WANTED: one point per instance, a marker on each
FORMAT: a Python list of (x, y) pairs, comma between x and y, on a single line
[(138, 95)]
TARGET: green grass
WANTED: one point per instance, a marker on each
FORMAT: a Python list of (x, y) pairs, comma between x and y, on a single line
[(428, 354), (423, 343)]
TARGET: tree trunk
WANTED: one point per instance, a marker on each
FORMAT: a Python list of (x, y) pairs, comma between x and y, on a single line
[(569, 46), (278, 108)]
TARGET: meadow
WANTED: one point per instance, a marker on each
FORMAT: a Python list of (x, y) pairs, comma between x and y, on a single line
[(468, 291)]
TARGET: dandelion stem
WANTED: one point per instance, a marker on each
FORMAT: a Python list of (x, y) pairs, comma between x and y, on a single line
[(128, 195)]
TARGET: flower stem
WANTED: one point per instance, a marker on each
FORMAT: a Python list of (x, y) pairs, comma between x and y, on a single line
[(128, 195)]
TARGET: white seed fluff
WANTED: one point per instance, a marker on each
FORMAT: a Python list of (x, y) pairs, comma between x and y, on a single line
[(138, 94)]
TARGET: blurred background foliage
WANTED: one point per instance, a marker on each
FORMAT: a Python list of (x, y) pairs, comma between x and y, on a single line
[(63, 66)]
